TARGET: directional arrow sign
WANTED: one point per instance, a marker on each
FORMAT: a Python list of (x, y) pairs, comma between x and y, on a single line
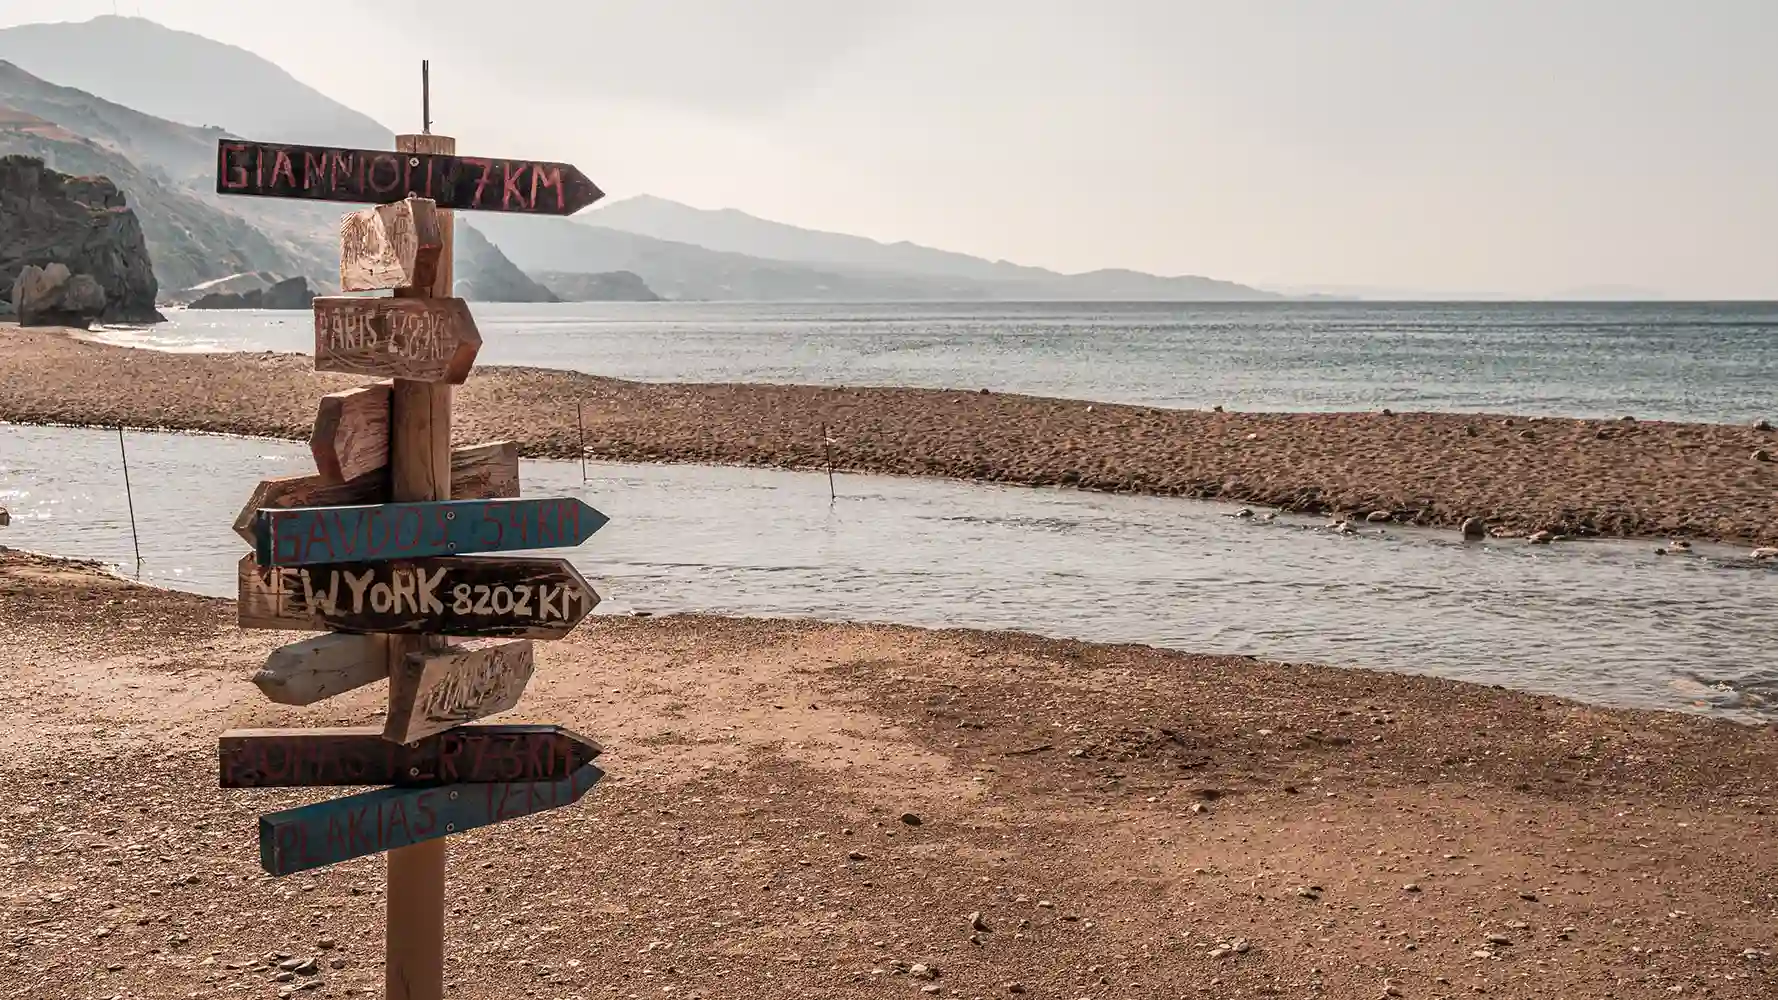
[(458, 684), (308, 536), (479, 471), (390, 246), (380, 176), (468, 596), (306, 672), (310, 758), (356, 826), (426, 340)]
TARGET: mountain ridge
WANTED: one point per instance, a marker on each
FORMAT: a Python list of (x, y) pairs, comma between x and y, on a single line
[(730, 230), (730, 255), (96, 56)]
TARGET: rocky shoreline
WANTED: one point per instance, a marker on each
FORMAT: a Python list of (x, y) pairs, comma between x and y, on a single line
[(1519, 475)]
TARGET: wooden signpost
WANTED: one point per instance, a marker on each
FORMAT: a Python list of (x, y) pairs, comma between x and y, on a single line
[(427, 340), (306, 536), (374, 548)]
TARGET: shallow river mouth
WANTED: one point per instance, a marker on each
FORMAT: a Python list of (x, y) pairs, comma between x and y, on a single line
[(1606, 622)]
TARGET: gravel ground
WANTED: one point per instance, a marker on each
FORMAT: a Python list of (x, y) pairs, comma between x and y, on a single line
[(819, 810)]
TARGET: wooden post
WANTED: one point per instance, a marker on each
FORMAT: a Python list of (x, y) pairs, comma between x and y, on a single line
[(419, 469)]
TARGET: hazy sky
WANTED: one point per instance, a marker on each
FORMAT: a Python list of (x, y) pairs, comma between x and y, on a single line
[(1501, 146)]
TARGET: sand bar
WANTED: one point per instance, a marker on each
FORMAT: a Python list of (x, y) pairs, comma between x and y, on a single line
[(1580, 477), (1127, 821)]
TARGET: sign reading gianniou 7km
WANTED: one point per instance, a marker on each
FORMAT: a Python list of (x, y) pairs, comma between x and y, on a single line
[(328, 173), (371, 550)]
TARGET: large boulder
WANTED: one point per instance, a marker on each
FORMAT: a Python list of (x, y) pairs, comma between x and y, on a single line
[(291, 293), (53, 296), (83, 224)]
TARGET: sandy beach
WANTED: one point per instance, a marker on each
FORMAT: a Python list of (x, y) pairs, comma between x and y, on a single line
[(799, 809), (1578, 477)]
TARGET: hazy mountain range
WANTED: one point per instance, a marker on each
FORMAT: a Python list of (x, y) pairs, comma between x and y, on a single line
[(96, 109)]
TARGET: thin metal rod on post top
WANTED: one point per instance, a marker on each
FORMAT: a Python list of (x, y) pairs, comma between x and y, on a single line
[(425, 97), (130, 499)]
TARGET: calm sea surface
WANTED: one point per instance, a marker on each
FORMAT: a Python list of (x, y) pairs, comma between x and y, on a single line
[(1607, 622), (1709, 362)]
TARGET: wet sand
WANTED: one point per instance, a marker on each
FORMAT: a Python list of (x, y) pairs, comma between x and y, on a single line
[(1127, 822), (1519, 474)]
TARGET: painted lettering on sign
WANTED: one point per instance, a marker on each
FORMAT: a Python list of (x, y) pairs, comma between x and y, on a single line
[(356, 826), (472, 596), (313, 535), (461, 683), (423, 339), (381, 176), (304, 758)]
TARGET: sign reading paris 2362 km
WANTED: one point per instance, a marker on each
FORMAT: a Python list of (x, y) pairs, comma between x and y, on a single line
[(380, 176)]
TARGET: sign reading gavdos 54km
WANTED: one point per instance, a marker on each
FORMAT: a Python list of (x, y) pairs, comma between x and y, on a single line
[(381, 176)]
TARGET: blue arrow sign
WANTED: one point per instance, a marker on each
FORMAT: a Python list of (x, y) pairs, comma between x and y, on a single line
[(306, 536), (355, 826)]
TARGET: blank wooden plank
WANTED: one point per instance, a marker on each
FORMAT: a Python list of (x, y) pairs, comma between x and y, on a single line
[(351, 435), (424, 340), (390, 246), (356, 826), (485, 471), (478, 472), (359, 755), (494, 596), (461, 684), (309, 671)]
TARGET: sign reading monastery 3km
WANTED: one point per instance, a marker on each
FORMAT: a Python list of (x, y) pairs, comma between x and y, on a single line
[(381, 176)]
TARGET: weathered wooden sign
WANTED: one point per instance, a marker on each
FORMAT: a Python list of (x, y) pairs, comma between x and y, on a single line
[(327, 173), (480, 471), (425, 340), (356, 826), (316, 669), (351, 433), (310, 758), (450, 595), (390, 246), (307, 536), (459, 684)]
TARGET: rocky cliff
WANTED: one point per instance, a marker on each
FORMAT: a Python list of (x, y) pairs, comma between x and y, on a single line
[(47, 217), (485, 275)]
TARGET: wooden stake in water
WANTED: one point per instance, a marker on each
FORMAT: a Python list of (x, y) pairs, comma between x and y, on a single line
[(129, 498), (827, 445)]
